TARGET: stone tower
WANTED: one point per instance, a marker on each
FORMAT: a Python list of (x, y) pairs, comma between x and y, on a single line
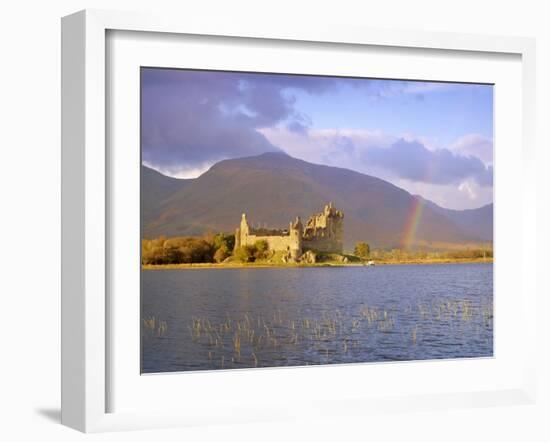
[(242, 232), (295, 230), (335, 226), (324, 232)]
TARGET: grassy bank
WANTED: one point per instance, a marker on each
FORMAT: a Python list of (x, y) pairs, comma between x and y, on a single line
[(219, 251), (238, 265), (435, 261)]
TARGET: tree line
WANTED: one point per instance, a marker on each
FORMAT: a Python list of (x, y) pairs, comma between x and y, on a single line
[(364, 251), (209, 248), (217, 248), (187, 249)]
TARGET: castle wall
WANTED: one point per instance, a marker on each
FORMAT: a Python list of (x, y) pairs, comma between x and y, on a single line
[(323, 233), (327, 245), (275, 243)]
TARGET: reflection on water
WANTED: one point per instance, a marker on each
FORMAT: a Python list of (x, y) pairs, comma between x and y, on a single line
[(208, 319)]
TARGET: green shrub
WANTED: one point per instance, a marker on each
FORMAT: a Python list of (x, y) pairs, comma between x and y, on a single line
[(222, 253), (245, 254), (261, 248)]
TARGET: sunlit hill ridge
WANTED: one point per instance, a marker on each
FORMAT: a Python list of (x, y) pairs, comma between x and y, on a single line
[(274, 188)]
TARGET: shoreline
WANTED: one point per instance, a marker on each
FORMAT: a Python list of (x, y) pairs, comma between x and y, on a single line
[(208, 265)]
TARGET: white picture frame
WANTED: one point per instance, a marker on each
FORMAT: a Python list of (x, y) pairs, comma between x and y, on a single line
[(86, 205)]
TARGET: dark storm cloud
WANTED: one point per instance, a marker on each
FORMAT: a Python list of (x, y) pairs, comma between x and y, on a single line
[(192, 118), (413, 161)]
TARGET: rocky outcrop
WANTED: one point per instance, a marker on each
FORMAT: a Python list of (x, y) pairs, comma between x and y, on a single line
[(309, 257)]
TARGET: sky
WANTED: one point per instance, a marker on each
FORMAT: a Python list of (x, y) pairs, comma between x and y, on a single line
[(430, 138)]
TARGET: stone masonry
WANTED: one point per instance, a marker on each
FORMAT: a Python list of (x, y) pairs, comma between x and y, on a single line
[(323, 232)]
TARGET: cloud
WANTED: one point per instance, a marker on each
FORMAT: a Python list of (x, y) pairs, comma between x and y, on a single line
[(331, 146), (418, 90), (413, 161), (182, 171), (382, 155), (475, 145), (467, 188), (466, 195), (192, 119)]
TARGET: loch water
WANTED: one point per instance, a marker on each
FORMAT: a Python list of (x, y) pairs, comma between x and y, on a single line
[(212, 318)]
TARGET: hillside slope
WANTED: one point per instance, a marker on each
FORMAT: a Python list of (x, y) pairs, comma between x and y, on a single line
[(155, 189), (274, 188), (476, 222)]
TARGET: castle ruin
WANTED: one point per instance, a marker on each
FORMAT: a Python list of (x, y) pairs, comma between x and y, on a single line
[(323, 232)]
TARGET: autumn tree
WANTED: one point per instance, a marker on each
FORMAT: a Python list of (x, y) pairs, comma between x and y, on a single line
[(222, 253), (362, 250), (221, 239)]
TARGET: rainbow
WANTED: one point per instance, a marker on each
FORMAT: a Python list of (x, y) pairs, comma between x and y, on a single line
[(415, 212), (411, 222)]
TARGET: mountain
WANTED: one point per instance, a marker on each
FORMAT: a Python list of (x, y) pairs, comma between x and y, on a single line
[(155, 188), (477, 222), (274, 188)]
